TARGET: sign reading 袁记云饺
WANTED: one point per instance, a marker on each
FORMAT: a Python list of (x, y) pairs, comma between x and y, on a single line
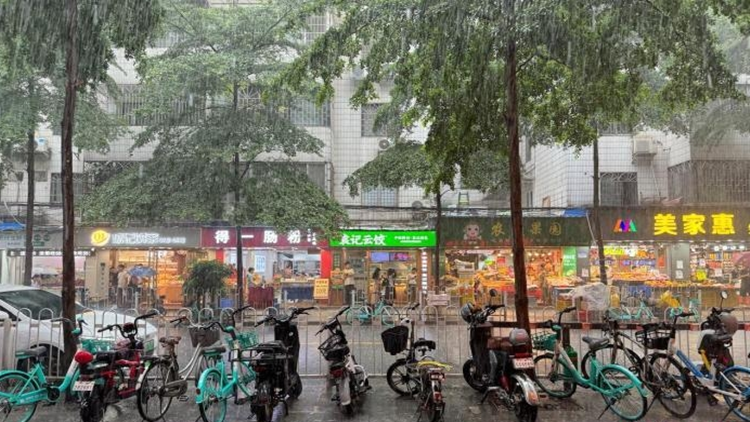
[(385, 239), (675, 223)]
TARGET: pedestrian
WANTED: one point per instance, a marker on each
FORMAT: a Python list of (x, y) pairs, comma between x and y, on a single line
[(113, 284), (377, 282), (123, 279), (412, 286), (744, 276), (390, 284), (348, 274), (253, 278)]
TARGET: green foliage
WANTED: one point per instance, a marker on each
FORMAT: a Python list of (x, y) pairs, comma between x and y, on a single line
[(204, 106), (207, 278)]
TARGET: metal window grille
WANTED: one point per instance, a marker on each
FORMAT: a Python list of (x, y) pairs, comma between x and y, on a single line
[(316, 26), (717, 182), (619, 188), (380, 197), (305, 113), (40, 176), (56, 196), (369, 113), (615, 129), (131, 99)]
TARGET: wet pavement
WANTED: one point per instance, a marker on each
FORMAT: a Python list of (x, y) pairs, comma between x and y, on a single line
[(382, 405)]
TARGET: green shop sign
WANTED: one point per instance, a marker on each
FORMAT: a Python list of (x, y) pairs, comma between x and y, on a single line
[(496, 231), (385, 239)]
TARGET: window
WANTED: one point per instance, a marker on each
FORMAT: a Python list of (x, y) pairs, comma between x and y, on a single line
[(619, 188), (614, 129), (380, 197), (306, 113), (316, 172), (131, 99), (710, 181), (55, 195), (166, 41), (369, 114), (316, 26), (40, 176), (527, 147)]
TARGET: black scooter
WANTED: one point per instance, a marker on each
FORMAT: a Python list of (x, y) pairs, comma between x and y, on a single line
[(275, 363)]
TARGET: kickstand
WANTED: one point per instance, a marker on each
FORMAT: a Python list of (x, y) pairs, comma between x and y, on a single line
[(730, 411), (652, 403), (609, 404), (484, 397)]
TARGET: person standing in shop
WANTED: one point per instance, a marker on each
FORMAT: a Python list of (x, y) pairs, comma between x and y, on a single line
[(412, 286), (123, 278), (744, 275), (348, 274), (390, 284)]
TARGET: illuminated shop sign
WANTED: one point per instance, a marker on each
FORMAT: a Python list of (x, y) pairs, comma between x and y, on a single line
[(135, 238), (258, 237), (675, 223), (625, 225), (388, 239)]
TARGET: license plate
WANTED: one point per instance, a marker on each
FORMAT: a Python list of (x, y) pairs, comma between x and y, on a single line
[(83, 386), (437, 376), (523, 363)]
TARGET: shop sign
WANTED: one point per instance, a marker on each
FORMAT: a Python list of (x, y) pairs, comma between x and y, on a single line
[(53, 252), (676, 224), (43, 239), (138, 238), (385, 239), (497, 231), (320, 289), (569, 261), (258, 237)]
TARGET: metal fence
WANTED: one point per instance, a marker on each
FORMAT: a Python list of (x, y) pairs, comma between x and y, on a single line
[(443, 325)]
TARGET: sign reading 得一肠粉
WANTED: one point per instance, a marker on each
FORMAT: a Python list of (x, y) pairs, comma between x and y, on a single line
[(385, 239), (676, 223)]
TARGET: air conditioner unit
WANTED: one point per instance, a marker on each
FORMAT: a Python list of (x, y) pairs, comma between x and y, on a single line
[(643, 146), (384, 144)]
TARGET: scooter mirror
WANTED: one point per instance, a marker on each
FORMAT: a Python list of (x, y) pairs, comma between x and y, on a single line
[(493, 293), (724, 294)]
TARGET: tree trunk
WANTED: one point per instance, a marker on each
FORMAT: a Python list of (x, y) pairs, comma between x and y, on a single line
[(438, 234), (28, 263), (514, 158), (68, 261), (596, 221), (237, 198)]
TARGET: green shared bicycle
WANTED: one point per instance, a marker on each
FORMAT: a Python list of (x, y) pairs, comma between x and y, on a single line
[(21, 392), (215, 388), (387, 314), (558, 376)]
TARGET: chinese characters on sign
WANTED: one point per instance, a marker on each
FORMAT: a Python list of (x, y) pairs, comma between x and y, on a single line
[(354, 238), (221, 237), (693, 224)]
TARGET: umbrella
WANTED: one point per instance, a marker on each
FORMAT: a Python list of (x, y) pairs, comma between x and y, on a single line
[(140, 271)]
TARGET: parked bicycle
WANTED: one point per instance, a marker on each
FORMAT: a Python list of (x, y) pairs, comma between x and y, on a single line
[(365, 314), (403, 375), (640, 313), (557, 375), (659, 370), (215, 387), (163, 379), (21, 392), (108, 377), (692, 308), (501, 367), (349, 377), (430, 394)]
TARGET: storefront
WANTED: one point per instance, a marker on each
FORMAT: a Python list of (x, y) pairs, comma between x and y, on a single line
[(47, 260), (689, 251), (408, 253), (165, 254), (479, 257), (286, 264)]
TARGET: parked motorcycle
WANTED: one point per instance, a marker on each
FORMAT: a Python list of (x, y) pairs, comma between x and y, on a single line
[(500, 367), (347, 375), (275, 363)]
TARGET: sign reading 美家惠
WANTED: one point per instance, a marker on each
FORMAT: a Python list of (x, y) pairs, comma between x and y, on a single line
[(675, 223), (183, 237), (385, 239)]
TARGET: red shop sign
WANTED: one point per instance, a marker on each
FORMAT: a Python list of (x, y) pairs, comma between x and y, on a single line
[(258, 237)]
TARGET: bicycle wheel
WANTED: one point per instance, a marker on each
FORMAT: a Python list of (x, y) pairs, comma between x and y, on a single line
[(245, 380), (435, 411), (152, 405), (388, 316), (401, 380), (13, 384), (213, 408), (621, 394), (737, 381), (549, 375), (625, 357), (671, 383)]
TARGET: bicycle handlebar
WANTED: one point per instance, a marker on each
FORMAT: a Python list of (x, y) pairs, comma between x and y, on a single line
[(229, 330)]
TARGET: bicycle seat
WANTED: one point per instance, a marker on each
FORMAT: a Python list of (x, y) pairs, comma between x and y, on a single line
[(214, 350), (595, 343), (424, 343), (170, 341), (34, 352)]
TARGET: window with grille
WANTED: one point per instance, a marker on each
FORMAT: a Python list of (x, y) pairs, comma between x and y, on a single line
[(131, 99), (316, 172), (369, 114), (380, 197), (316, 26), (40, 176), (710, 182), (614, 129), (619, 188), (55, 194), (306, 113)]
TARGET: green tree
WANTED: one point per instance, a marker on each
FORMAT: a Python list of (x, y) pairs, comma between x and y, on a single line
[(407, 164), (206, 280), (212, 115), (82, 34), (460, 66)]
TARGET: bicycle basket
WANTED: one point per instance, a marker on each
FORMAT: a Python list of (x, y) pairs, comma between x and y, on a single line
[(544, 341), (657, 339), (395, 339), (247, 340), (334, 348), (203, 338), (94, 345)]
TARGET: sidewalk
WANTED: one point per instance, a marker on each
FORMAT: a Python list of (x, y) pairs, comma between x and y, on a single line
[(382, 405)]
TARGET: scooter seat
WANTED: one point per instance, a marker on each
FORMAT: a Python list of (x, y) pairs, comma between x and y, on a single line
[(429, 344), (595, 343)]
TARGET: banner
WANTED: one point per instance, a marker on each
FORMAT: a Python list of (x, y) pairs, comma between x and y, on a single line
[(496, 231)]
